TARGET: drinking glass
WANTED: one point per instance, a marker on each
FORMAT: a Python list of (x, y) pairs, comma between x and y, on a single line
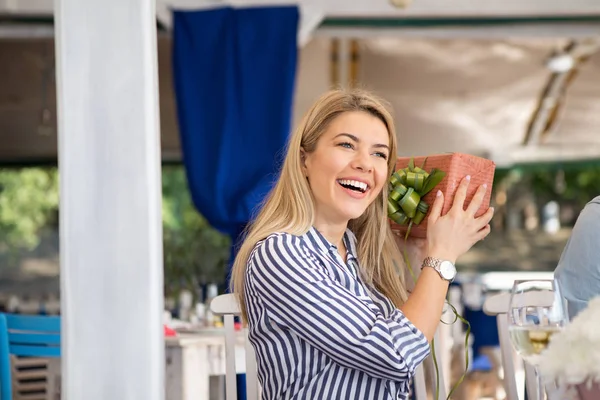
[(536, 311)]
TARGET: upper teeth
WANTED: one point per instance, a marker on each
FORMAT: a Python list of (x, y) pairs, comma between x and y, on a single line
[(360, 185)]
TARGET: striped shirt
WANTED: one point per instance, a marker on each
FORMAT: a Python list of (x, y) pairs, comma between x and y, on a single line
[(318, 331)]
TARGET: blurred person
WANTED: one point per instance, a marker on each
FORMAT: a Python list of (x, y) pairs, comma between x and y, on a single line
[(578, 270), (319, 275)]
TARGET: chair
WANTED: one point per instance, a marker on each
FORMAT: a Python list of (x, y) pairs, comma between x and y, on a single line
[(497, 305), (419, 380), (227, 306), (26, 337)]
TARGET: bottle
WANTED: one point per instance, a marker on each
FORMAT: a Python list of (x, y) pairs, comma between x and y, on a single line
[(200, 314), (185, 305), (212, 291)]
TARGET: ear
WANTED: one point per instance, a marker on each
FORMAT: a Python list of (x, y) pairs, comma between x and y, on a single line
[(303, 160)]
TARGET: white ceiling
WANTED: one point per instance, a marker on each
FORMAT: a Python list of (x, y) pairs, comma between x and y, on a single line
[(468, 95), (315, 11), (368, 8)]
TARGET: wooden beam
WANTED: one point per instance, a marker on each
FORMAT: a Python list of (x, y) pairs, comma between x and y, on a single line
[(27, 7), (552, 98)]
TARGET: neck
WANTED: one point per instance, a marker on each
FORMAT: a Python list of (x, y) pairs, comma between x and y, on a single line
[(334, 233)]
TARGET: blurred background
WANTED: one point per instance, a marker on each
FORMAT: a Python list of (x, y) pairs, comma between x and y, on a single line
[(517, 82)]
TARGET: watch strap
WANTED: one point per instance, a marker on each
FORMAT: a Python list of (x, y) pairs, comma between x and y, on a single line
[(432, 262), (435, 263)]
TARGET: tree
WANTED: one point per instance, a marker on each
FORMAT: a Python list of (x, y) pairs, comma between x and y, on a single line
[(195, 253), (577, 184), (28, 203), (527, 189)]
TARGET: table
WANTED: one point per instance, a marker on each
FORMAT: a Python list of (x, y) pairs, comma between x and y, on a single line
[(195, 365)]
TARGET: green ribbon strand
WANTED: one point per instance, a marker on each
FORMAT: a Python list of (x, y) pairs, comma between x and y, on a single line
[(457, 317), (405, 207)]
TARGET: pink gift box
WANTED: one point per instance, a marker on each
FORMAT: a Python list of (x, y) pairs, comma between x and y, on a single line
[(456, 166)]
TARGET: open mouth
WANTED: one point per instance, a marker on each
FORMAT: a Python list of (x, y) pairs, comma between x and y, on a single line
[(356, 186)]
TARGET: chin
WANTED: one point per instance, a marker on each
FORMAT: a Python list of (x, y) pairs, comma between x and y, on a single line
[(353, 214)]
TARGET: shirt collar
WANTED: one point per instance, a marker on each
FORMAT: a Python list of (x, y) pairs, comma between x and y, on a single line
[(318, 241), (350, 242)]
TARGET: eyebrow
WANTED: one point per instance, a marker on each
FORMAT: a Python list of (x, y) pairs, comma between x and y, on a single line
[(356, 139)]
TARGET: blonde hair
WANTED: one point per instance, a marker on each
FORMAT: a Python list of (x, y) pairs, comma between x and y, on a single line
[(289, 207)]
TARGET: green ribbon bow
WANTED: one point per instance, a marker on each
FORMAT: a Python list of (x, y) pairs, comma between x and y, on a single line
[(407, 187)]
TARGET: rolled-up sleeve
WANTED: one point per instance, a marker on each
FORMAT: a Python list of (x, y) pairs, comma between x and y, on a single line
[(300, 295)]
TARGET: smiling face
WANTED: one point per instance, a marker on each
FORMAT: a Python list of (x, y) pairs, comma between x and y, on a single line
[(348, 168)]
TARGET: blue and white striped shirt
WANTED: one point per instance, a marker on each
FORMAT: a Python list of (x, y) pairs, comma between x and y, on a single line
[(318, 331)]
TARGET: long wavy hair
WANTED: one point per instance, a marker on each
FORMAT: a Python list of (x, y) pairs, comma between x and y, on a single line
[(289, 207)]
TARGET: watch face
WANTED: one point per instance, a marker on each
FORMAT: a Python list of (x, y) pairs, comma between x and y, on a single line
[(447, 270)]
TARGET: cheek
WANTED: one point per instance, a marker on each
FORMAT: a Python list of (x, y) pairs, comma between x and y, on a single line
[(327, 168), (319, 175), (381, 179)]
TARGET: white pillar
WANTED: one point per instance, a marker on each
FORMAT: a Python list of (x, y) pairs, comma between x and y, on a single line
[(110, 210)]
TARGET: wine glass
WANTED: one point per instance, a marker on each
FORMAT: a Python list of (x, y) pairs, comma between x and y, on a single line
[(536, 311)]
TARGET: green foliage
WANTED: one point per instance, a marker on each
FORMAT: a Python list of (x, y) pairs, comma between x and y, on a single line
[(577, 185), (570, 185), (195, 252), (28, 203)]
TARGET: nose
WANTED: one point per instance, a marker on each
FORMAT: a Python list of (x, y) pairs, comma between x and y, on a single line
[(362, 162)]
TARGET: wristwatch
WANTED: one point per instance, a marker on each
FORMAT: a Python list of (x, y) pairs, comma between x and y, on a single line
[(445, 268)]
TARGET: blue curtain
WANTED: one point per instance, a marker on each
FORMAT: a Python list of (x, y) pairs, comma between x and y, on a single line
[(234, 72)]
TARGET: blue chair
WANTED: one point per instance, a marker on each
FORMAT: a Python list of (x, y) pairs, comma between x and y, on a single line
[(25, 336)]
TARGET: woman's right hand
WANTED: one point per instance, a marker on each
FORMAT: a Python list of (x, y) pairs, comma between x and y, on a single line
[(451, 235)]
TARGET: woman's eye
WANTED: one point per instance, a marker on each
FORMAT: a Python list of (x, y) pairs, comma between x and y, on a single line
[(347, 145), (382, 155)]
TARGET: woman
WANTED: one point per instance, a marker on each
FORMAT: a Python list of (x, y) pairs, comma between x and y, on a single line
[(317, 276)]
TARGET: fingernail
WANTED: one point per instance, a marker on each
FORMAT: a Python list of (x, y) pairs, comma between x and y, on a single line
[(492, 208), (485, 185), (468, 177), (439, 193)]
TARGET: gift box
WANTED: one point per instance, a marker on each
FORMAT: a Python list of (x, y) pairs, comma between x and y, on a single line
[(455, 166)]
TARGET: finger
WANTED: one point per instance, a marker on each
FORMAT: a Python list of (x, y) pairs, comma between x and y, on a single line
[(486, 217), (483, 232), (477, 200), (461, 194), (436, 208)]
